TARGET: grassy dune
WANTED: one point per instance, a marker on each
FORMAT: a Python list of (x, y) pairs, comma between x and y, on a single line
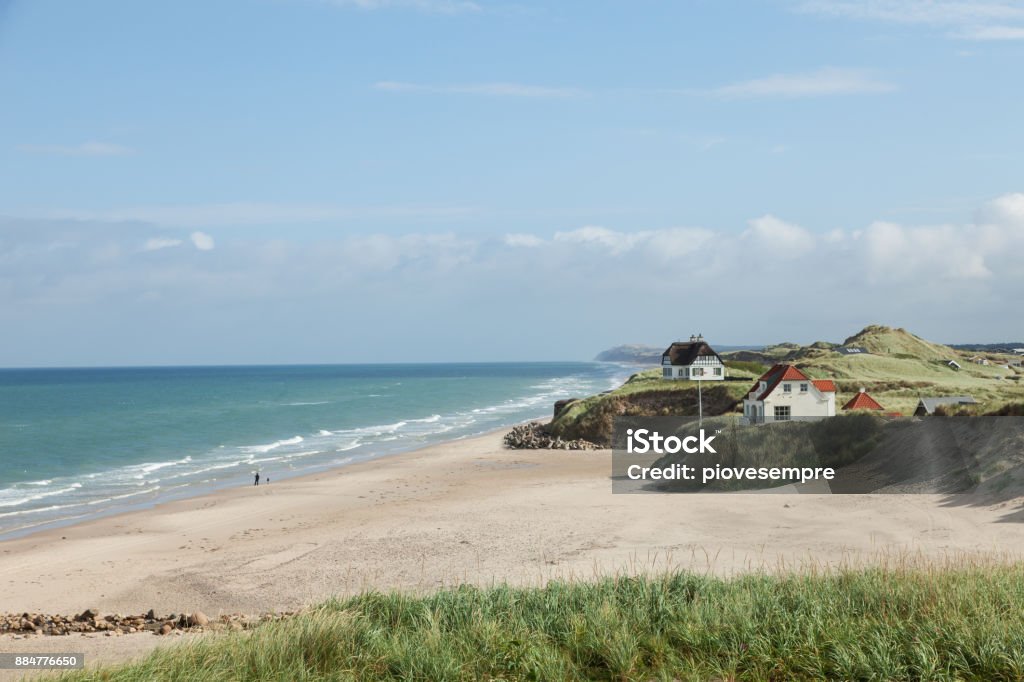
[(901, 367), (898, 369), (953, 623)]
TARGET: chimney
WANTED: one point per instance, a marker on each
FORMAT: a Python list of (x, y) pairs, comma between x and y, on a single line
[(862, 390)]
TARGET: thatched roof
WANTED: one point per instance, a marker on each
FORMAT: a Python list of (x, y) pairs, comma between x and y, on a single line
[(685, 353)]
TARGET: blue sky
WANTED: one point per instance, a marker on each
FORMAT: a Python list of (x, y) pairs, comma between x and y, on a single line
[(324, 180)]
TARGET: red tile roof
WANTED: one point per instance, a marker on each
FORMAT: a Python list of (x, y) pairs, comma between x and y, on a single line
[(825, 385), (777, 374), (780, 372), (862, 401)]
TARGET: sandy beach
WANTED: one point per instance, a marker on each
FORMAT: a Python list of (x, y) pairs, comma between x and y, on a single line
[(464, 511)]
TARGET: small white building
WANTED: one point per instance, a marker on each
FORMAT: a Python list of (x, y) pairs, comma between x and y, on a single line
[(784, 393), (694, 360)]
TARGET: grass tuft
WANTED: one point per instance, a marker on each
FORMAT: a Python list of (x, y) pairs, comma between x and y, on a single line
[(952, 623)]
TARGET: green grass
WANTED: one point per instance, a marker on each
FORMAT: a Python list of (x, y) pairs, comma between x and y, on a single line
[(746, 367), (900, 368), (647, 394), (897, 383), (954, 623)]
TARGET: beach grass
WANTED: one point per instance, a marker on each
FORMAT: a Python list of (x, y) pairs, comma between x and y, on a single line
[(960, 622)]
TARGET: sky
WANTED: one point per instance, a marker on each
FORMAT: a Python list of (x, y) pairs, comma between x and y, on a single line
[(305, 181)]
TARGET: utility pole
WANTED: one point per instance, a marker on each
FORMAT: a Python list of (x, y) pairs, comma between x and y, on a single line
[(700, 404)]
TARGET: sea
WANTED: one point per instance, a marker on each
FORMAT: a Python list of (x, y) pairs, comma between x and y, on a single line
[(77, 444)]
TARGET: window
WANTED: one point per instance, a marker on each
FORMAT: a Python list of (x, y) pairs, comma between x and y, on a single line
[(803, 388), (782, 413), (718, 371), (698, 371), (787, 388), (666, 373)]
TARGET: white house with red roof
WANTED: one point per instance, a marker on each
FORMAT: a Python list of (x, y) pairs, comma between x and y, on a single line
[(784, 392)]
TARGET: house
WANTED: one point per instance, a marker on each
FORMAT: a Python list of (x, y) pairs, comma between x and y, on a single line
[(978, 360), (784, 392), (694, 360), (862, 401), (926, 406), (954, 364)]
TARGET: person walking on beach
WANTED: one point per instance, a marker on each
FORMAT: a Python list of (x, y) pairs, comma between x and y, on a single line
[(257, 478)]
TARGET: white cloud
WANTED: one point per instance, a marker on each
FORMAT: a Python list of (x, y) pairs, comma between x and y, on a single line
[(668, 244), (895, 252), (613, 242), (496, 89), (969, 20), (779, 237), (1006, 210), (85, 149), (674, 243), (428, 6), (823, 82), (157, 243), (992, 33), (523, 240), (202, 241), (936, 12)]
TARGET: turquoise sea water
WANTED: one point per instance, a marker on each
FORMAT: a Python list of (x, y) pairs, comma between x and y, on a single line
[(78, 443)]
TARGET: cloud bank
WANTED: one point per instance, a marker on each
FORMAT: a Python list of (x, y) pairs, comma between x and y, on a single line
[(566, 293)]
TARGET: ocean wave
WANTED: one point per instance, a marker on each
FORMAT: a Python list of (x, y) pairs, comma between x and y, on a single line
[(18, 501), (149, 467), (39, 510), (318, 402), (294, 440), (124, 496)]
